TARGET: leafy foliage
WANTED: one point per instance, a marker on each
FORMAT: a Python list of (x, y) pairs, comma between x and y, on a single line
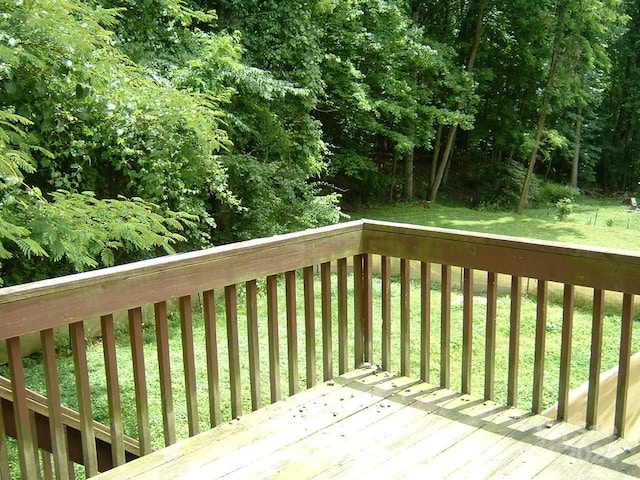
[(133, 128)]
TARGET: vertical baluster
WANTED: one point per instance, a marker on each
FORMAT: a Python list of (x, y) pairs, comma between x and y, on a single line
[(565, 352), (310, 326), (211, 345), (541, 335), (140, 380), (490, 339), (425, 321), (358, 306), (596, 358), (189, 363), (514, 341), (343, 333), (445, 328), (624, 365), (405, 317), (25, 437), (164, 371), (386, 313), (254, 349), (47, 468), (113, 389), (4, 454), (233, 342), (83, 389), (467, 330), (292, 331), (71, 468), (274, 339), (367, 308), (54, 404), (327, 338), (36, 457)]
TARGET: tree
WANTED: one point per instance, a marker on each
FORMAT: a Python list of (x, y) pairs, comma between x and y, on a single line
[(83, 128), (620, 156), (578, 32), (446, 154), (384, 84)]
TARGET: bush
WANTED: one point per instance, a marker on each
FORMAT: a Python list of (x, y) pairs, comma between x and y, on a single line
[(564, 207), (501, 183), (551, 193)]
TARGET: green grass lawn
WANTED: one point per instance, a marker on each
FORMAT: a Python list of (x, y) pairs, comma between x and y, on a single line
[(603, 222)]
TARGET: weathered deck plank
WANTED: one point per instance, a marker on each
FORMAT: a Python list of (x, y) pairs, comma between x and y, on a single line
[(395, 427)]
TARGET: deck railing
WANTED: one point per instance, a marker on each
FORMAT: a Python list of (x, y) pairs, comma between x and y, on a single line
[(331, 277)]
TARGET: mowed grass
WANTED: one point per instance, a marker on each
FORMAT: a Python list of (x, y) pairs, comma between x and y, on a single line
[(603, 222)]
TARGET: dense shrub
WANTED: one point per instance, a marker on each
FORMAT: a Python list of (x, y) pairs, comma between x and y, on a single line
[(552, 193)]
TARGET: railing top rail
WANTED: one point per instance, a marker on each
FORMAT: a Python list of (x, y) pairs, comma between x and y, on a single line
[(50, 303), (59, 301), (597, 267)]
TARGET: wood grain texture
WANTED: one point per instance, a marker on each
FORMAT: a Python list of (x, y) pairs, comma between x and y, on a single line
[(274, 338), (622, 391), (343, 317), (211, 346), (327, 321), (425, 322), (540, 346), (189, 364), (445, 327), (405, 317), (595, 363), (565, 351), (490, 336), (56, 424), (608, 269), (233, 344), (140, 380), (292, 331), (308, 278), (92, 294), (365, 425), (24, 435), (467, 331), (164, 372), (254, 348), (514, 341), (83, 389)]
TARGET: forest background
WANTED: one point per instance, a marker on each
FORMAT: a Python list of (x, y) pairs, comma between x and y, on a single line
[(130, 128)]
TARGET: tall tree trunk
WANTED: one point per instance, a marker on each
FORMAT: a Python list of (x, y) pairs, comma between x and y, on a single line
[(454, 128), (393, 177), (443, 163), (543, 108), (408, 175), (434, 162), (576, 150)]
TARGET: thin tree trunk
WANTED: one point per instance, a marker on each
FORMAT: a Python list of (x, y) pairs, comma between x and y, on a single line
[(443, 163), (543, 110), (408, 175), (393, 176), (436, 155), (454, 128), (576, 150)]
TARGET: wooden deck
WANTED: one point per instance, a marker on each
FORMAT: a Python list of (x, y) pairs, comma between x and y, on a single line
[(365, 423)]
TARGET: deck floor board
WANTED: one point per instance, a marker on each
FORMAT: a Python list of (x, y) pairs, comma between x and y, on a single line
[(392, 427)]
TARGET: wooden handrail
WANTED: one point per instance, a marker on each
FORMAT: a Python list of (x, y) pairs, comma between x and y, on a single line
[(309, 257), (57, 302), (603, 268)]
